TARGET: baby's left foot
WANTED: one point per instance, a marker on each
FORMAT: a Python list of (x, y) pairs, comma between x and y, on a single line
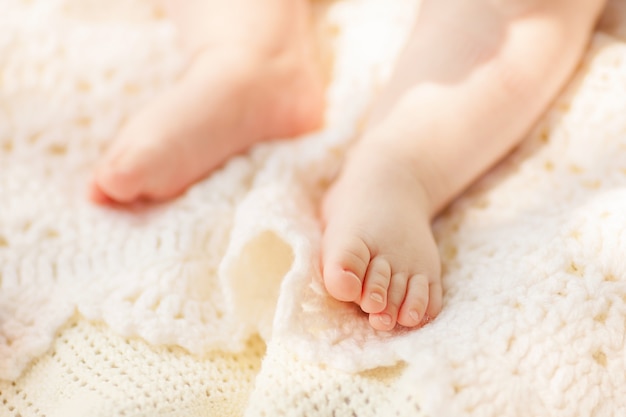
[(378, 248), (247, 83)]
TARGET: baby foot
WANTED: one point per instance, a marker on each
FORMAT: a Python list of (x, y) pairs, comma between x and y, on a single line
[(378, 247), (228, 100)]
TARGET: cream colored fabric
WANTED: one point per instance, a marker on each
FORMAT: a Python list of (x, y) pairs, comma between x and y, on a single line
[(90, 371), (535, 285)]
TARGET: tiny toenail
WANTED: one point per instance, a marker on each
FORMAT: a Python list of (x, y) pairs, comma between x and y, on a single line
[(415, 316), (352, 274), (377, 297), (385, 319)]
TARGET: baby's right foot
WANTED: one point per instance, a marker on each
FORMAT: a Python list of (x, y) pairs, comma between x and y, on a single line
[(378, 248)]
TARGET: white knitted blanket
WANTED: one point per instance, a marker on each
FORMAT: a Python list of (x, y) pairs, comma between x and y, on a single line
[(212, 305)]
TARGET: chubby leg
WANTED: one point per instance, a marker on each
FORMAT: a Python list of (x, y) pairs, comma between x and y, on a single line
[(252, 77), (474, 77)]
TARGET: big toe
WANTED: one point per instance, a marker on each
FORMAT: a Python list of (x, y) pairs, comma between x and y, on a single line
[(345, 262), (118, 178)]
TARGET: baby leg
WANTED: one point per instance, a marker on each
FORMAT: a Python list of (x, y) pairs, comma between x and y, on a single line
[(472, 80), (252, 77)]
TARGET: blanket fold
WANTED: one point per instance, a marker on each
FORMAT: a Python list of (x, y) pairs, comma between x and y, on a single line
[(157, 309)]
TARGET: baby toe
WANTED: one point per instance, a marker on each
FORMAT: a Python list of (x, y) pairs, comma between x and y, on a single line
[(435, 300), (386, 319), (416, 301), (97, 195), (121, 182), (345, 263), (377, 279)]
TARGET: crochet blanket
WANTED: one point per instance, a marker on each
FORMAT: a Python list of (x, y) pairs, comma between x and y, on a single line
[(213, 305)]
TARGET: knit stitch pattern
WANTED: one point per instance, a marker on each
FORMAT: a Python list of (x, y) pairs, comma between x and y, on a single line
[(213, 304)]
